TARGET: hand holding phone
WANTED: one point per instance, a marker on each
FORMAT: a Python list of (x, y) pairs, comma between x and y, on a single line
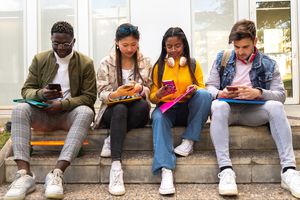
[(54, 86), (232, 88), (52, 91), (171, 85)]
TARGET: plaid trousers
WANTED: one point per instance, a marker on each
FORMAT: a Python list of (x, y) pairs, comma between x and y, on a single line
[(76, 121)]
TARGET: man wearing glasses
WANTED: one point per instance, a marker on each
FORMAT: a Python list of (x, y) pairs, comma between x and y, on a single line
[(70, 107)]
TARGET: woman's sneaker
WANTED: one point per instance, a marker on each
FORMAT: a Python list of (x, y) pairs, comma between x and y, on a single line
[(116, 183), (106, 152), (227, 185), (22, 185), (185, 148), (167, 185)]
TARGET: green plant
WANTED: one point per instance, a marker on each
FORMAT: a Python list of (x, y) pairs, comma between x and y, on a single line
[(3, 138)]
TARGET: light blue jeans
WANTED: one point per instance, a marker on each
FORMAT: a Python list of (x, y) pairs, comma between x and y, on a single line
[(224, 114), (193, 113)]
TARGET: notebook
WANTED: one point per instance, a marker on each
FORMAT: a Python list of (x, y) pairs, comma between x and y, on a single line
[(125, 99), (166, 106), (243, 101), (32, 102)]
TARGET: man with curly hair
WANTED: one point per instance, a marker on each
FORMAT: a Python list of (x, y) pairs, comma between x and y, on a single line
[(70, 108)]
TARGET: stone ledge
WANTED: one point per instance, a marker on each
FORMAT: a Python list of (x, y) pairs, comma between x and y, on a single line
[(241, 137), (200, 167), (85, 169)]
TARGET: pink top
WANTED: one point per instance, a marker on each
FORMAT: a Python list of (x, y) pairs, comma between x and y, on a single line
[(242, 74)]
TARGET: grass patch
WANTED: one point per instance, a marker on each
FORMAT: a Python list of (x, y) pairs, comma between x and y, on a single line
[(3, 138)]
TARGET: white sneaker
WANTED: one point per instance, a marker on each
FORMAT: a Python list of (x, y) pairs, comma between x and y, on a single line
[(227, 185), (116, 183), (53, 184), (290, 180), (106, 152), (22, 185), (166, 186), (185, 148)]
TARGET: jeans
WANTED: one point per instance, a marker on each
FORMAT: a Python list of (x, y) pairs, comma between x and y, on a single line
[(224, 114), (121, 118), (193, 113)]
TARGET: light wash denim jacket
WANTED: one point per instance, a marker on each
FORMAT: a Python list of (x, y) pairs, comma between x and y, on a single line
[(264, 75)]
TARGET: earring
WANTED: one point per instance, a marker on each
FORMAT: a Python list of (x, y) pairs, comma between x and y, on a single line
[(117, 47)]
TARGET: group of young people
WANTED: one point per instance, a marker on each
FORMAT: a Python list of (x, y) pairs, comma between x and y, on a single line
[(127, 73)]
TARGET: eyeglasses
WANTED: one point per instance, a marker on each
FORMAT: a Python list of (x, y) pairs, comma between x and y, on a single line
[(128, 30), (64, 45)]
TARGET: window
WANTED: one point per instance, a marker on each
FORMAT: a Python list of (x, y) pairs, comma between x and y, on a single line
[(274, 36), (211, 25), (106, 16), (11, 50), (51, 12)]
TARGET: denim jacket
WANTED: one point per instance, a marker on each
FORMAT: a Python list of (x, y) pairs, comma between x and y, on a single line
[(264, 75), (260, 75)]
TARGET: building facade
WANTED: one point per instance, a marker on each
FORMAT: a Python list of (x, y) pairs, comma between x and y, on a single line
[(25, 30)]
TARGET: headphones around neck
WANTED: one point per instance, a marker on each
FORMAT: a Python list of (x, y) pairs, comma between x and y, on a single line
[(251, 57), (171, 62)]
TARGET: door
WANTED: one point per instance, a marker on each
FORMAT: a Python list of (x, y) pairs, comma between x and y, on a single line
[(277, 37)]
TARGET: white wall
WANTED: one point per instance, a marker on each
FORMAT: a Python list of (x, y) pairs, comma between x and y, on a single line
[(153, 19)]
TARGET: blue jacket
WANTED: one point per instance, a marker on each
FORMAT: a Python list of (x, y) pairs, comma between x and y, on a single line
[(261, 73), (264, 75)]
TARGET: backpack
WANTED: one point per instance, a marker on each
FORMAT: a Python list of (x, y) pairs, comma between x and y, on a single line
[(225, 58)]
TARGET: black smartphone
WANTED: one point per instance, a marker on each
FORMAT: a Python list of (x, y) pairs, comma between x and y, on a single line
[(54, 86), (232, 88)]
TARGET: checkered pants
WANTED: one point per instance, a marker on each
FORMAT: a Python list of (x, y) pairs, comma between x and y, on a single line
[(24, 116)]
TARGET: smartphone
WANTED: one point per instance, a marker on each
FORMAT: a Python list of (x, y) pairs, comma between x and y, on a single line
[(169, 83), (232, 88), (54, 86)]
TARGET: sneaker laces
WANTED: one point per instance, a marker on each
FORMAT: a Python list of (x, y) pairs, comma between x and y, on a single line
[(167, 174), (227, 177), (18, 182), (56, 180), (186, 144), (117, 176)]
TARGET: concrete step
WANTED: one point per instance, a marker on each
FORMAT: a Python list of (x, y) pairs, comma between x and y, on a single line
[(241, 138), (200, 167)]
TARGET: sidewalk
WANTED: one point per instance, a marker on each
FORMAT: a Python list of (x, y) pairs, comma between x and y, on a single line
[(150, 192)]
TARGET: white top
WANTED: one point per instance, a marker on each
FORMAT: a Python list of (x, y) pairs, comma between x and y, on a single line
[(127, 75), (242, 74), (62, 75)]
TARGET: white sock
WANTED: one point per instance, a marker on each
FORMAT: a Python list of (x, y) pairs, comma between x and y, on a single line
[(116, 165)]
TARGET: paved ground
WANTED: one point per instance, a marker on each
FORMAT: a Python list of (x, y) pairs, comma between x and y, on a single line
[(150, 192)]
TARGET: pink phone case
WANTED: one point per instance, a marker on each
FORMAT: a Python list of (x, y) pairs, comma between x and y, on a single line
[(169, 83)]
